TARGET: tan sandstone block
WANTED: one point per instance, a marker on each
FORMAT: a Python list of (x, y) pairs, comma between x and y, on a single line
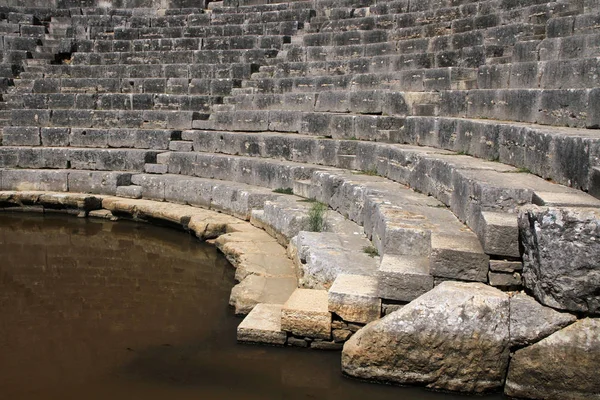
[(262, 325), (306, 313), (354, 298)]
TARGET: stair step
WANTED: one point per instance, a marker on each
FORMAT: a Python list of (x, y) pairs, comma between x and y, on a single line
[(130, 192), (306, 314), (404, 278), (262, 325), (355, 298)]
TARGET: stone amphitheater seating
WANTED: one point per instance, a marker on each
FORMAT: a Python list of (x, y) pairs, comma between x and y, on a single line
[(423, 125)]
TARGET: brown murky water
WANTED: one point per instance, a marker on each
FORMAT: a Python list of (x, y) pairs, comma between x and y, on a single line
[(100, 310)]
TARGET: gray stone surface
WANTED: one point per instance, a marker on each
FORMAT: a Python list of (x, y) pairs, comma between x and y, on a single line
[(500, 234), (561, 260), (455, 337), (530, 321), (403, 278), (322, 256), (562, 366)]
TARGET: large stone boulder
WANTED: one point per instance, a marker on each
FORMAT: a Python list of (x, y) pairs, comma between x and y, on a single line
[(562, 366), (454, 337), (561, 260)]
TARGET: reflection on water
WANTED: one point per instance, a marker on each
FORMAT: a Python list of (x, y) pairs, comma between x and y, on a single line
[(96, 310)]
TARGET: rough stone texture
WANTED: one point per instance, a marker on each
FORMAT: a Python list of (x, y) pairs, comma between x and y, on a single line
[(255, 252), (321, 256), (530, 321), (305, 313), (458, 257), (505, 266), (404, 278), (561, 261), (505, 280), (454, 337), (255, 289), (262, 325), (354, 298), (500, 234), (563, 366)]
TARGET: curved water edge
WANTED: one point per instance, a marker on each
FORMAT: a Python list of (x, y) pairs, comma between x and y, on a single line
[(144, 339)]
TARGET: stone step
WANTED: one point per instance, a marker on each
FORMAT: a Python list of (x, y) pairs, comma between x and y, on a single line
[(174, 57), (126, 72), (105, 119), (355, 298), (262, 325), (306, 314), (323, 124), (380, 158), (158, 139), (404, 278), (507, 143), (321, 257), (286, 217), (131, 191), (91, 159), (115, 101)]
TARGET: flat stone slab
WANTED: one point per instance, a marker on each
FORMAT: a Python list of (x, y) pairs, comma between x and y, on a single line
[(403, 278), (553, 199), (355, 298), (255, 289), (458, 257), (306, 314), (562, 366), (321, 256), (262, 325)]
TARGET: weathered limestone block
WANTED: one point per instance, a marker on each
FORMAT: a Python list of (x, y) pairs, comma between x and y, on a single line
[(530, 321), (500, 234), (321, 256), (458, 257), (354, 298), (306, 313), (131, 191), (255, 252), (505, 266), (20, 179), (255, 289), (563, 366), (505, 280), (404, 278), (561, 260), (262, 325), (455, 337)]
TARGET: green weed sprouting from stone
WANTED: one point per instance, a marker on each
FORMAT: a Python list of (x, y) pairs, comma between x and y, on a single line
[(316, 217), (284, 191), (371, 251), (521, 170), (370, 172)]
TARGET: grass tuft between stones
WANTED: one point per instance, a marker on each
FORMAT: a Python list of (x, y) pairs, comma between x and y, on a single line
[(371, 251), (316, 217), (284, 191)]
